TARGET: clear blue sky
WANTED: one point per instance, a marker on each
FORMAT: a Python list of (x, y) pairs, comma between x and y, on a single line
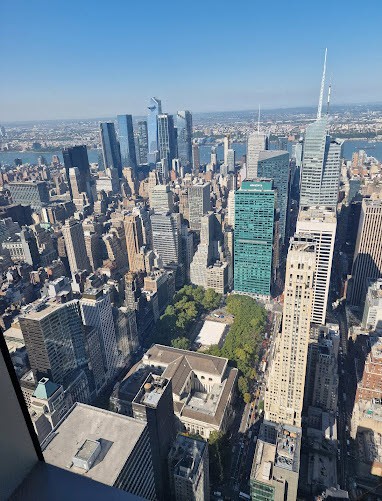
[(83, 58)]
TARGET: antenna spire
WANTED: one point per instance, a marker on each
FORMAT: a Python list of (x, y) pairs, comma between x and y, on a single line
[(327, 109), (258, 122), (319, 110)]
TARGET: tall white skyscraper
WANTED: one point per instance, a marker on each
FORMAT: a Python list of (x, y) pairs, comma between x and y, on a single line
[(256, 142), (320, 223), (226, 148), (285, 390)]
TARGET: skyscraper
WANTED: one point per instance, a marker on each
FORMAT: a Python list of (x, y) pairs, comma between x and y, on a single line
[(96, 311), (155, 109), (195, 158), (110, 147), (367, 263), (321, 162), (275, 165), (77, 156), (256, 142), (154, 404), (184, 137), (199, 203), (55, 342), (75, 245), (126, 141), (166, 232), (231, 160), (162, 199), (226, 144), (134, 240), (320, 223), (166, 139), (253, 238), (142, 142), (285, 391)]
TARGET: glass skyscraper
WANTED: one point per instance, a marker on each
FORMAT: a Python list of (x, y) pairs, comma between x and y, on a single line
[(253, 239), (142, 142), (155, 109), (110, 147), (321, 166), (184, 129), (126, 141), (275, 165), (166, 139)]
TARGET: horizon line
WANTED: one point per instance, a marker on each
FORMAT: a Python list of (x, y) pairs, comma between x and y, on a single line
[(284, 108)]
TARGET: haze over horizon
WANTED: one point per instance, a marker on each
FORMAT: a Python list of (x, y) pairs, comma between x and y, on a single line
[(88, 63)]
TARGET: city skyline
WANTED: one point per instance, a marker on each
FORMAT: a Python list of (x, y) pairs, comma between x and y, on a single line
[(252, 68)]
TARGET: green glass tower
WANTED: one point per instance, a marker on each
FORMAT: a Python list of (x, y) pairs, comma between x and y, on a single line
[(253, 239)]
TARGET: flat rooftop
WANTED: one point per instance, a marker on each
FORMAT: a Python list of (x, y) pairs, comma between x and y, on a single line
[(116, 433), (211, 333)]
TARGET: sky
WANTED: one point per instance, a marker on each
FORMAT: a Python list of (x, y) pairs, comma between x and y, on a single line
[(85, 59)]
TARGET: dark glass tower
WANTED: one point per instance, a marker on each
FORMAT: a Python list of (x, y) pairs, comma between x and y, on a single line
[(126, 141), (77, 156), (184, 130), (110, 147)]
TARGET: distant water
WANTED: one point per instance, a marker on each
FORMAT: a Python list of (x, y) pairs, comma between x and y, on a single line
[(8, 157)]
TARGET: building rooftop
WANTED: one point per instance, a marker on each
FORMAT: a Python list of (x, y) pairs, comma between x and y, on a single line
[(211, 333), (117, 435), (264, 155), (277, 446), (185, 456), (45, 388)]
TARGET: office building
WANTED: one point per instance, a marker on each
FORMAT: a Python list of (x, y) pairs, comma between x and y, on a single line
[(153, 404), (231, 159), (106, 447), (142, 142), (367, 263), (199, 203), (195, 158), (162, 199), (56, 345), (325, 389), (321, 164), (97, 312), (253, 237), (285, 391), (275, 165), (166, 234), (320, 223), (126, 141), (189, 469), (184, 136), (218, 277), (256, 142), (155, 109), (276, 463), (32, 193), (166, 141), (110, 148), (77, 156), (74, 238), (134, 239), (125, 322), (372, 312)]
